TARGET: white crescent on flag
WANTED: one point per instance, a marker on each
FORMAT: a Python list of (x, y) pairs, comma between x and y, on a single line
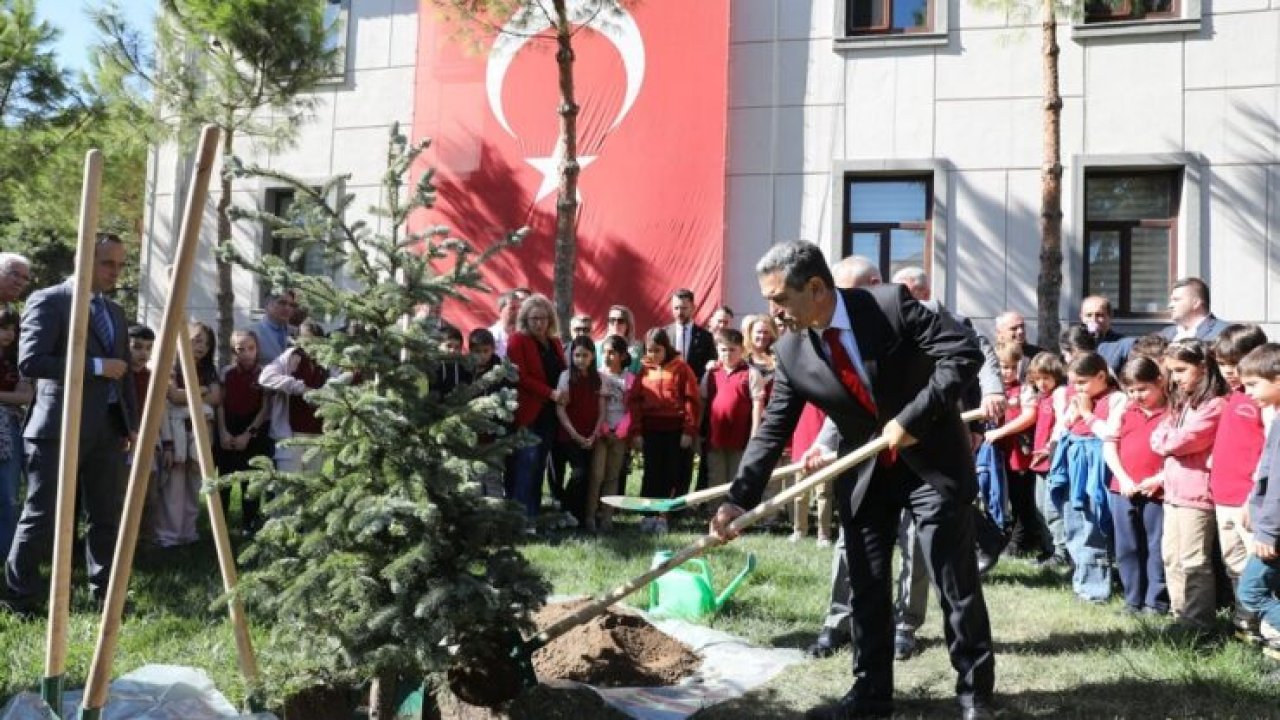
[(618, 26)]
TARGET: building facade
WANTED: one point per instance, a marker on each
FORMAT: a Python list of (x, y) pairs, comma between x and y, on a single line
[(911, 131)]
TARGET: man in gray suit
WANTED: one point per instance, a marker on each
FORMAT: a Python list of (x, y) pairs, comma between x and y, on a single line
[(108, 421)]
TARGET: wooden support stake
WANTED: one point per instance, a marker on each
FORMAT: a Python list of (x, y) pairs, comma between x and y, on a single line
[(173, 322), (55, 658), (217, 517)]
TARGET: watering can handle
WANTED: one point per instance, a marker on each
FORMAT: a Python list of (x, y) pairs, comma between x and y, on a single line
[(732, 587)]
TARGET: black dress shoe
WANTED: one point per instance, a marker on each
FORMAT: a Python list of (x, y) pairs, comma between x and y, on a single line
[(830, 641), (855, 705)]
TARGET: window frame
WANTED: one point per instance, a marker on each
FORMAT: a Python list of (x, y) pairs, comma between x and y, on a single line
[(268, 244), (885, 229), (342, 35), (887, 28), (1090, 18), (1123, 305)]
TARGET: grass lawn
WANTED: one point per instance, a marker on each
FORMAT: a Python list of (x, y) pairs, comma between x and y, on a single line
[(1056, 657)]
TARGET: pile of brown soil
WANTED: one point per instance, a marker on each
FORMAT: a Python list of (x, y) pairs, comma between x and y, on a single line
[(616, 649)]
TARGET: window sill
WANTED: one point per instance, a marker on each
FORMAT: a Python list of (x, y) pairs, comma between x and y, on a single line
[(868, 42), (1129, 28)]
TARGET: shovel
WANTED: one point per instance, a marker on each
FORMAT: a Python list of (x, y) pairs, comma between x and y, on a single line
[(510, 673), (627, 502)]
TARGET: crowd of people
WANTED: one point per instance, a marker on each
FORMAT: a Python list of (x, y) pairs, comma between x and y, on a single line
[(1141, 464), (246, 408)]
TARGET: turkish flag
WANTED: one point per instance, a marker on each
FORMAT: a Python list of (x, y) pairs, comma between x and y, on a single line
[(652, 85)]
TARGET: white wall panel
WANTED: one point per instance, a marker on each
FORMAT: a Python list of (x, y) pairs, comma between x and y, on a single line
[(809, 73), (978, 228), (1133, 95), (1234, 125), (751, 75), (752, 20), (1238, 251), (1240, 52)]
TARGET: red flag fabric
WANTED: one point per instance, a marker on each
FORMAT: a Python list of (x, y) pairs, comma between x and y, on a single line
[(652, 85)]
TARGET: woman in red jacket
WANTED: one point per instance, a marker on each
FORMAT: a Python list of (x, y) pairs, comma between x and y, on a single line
[(665, 408), (537, 353)]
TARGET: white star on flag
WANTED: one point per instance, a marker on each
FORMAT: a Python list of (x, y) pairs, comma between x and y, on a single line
[(548, 167)]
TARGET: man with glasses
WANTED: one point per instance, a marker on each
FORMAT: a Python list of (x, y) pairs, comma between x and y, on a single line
[(15, 276), (273, 330)]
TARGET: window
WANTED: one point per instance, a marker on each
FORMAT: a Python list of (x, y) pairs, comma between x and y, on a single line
[(881, 17), (311, 262), (1097, 11), (889, 220), (1130, 238), (335, 22)]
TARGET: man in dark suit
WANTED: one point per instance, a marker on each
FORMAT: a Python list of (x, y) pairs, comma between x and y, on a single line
[(108, 420), (866, 357), (698, 348), (1189, 311)]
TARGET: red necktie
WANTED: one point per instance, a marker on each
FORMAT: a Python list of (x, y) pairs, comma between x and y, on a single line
[(848, 375), (852, 382)]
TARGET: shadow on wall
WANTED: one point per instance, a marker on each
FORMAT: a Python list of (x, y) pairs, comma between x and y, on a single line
[(486, 204)]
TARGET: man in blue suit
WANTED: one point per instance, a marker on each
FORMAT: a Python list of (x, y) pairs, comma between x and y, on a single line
[(108, 420), (1189, 311)]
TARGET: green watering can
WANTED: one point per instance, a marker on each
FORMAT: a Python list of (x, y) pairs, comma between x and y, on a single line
[(687, 591)]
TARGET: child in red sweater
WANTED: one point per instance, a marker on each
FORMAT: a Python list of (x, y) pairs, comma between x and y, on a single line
[(726, 397), (1236, 450)]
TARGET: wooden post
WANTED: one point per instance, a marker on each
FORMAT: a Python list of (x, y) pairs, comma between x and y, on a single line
[(174, 320), (55, 658), (217, 518)]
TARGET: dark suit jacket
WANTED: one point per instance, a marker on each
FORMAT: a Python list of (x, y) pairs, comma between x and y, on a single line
[(918, 363), (1208, 330), (42, 356), (701, 350)]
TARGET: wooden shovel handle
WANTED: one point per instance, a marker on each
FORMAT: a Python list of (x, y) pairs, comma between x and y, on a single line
[(705, 543)]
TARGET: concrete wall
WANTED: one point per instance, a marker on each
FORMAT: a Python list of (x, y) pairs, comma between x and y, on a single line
[(804, 105)]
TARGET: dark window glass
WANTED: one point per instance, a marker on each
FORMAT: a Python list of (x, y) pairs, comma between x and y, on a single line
[(889, 221), (1130, 227)]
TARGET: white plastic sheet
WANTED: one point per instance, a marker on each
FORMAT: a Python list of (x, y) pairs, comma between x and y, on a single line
[(152, 692)]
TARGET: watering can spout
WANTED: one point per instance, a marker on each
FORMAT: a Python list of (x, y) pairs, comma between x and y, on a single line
[(732, 587)]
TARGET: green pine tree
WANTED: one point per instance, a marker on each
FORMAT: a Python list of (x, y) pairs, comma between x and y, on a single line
[(389, 561)]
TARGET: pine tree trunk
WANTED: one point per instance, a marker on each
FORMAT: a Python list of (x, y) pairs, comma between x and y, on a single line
[(226, 292), (1049, 283), (567, 187)]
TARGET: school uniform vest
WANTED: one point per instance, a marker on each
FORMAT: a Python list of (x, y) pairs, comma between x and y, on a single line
[(1015, 448), (1045, 420), (1237, 447), (729, 407), (583, 407), (302, 416)]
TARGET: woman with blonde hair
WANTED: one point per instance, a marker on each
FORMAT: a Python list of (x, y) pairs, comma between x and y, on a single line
[(621, 322), (535, 349)]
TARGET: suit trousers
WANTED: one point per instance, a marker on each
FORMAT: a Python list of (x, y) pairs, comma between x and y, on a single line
[(101, 495), (945, 531)]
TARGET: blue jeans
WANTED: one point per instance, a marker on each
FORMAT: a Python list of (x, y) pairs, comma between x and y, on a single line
[(529, 465), (1087, 544), (1052, 518), (10, 475), (1139, 527), (1258, 587)]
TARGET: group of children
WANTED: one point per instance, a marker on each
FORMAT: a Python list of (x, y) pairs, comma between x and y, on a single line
[(1157, 470), (245, 408)]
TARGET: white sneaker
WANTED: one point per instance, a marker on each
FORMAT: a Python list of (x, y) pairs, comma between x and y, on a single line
[(824, 541), (796, 536)]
